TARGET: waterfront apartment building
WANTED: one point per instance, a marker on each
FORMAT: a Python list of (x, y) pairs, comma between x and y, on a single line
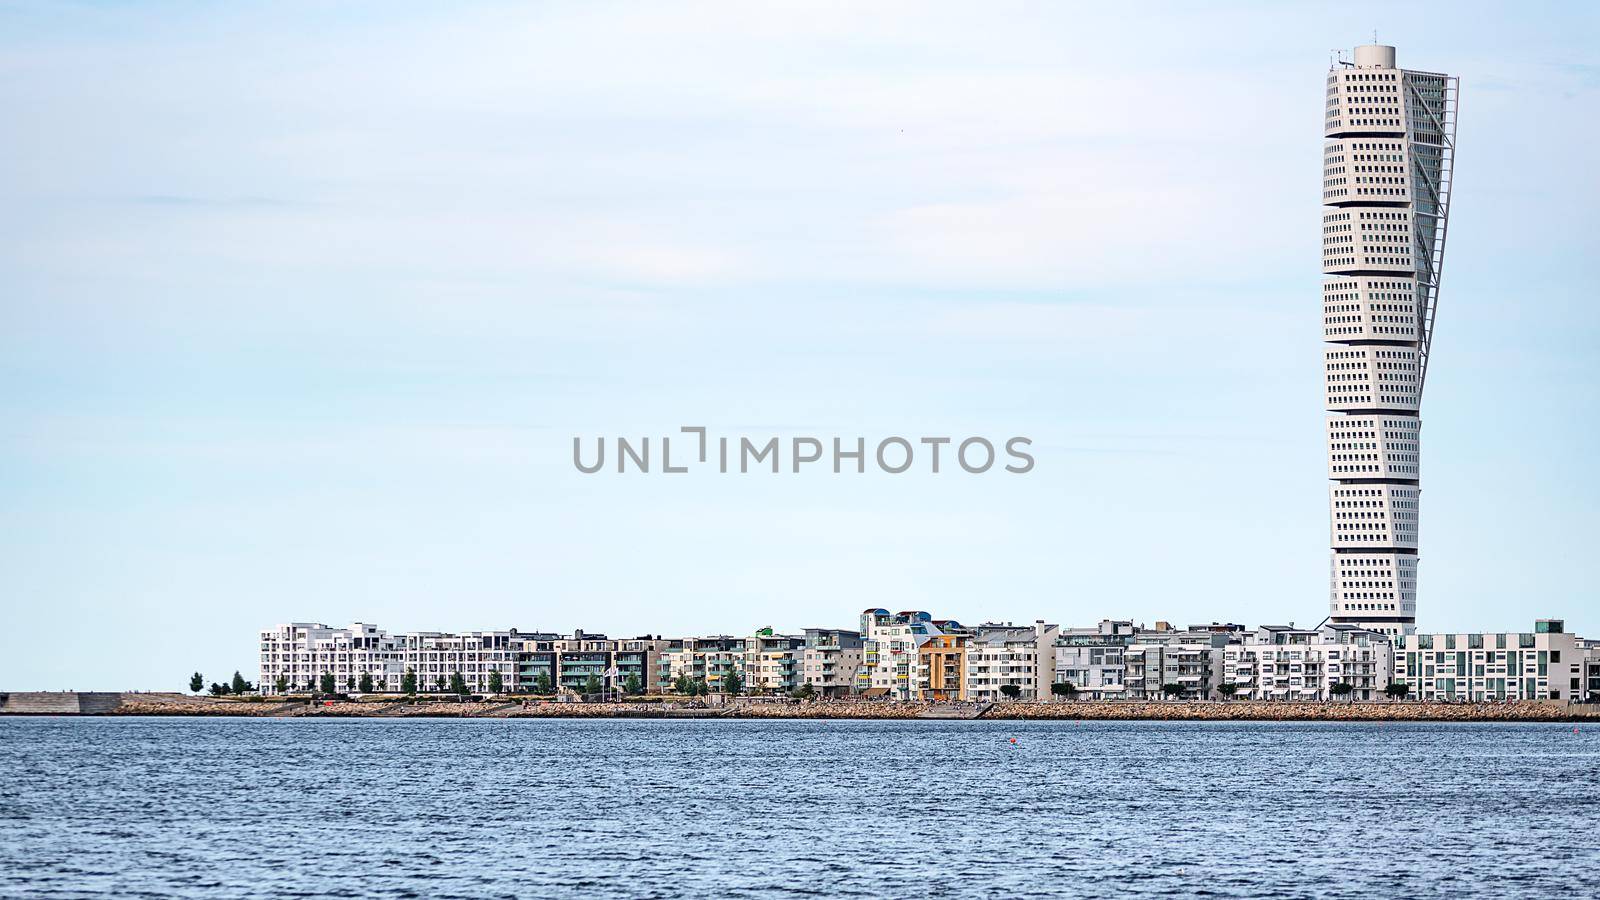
[(942, 668), (830, 660), (1091, 659), (1177, 664), (1281, 662), (1116, 660), (294, 656), (773, 662), (705, 659), (911, 656), (1021, 656), (1387, 162), (1544, 664), (891, 651), (1589, 649), (549, 663), (436, 656)]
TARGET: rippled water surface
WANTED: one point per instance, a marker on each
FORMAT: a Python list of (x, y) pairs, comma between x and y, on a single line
[(594, 809)]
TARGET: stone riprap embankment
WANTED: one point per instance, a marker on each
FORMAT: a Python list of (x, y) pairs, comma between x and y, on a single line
[(1335, 711), (180, 705), (1287, 711)]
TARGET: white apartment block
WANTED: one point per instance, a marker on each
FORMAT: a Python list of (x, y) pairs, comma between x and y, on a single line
[(1279, 662), (1387, 162), (1019, 655), (294, 657), (1544, 664), (475, 654)]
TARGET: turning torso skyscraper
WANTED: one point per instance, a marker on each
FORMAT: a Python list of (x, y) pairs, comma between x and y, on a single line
[(1385, 201)]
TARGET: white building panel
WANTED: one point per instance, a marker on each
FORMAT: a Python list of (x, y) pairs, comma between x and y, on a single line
[(1370, 309), (1374, 446), (1366, 516), (1366, 377)]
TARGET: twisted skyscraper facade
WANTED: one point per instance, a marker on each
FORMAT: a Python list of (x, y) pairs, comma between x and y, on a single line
[(1386, 201)]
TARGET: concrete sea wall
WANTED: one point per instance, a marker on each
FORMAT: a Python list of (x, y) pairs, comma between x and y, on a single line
[(58, 703)]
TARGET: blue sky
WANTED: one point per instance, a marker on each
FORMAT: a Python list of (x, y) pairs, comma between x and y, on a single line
[(302, 305)]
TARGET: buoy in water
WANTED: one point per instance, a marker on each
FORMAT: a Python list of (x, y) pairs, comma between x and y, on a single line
[(1014, 740)]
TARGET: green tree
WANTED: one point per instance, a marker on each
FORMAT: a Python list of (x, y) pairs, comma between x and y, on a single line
[(217, 690), (408, 682), (1171, 689), (281, 685), (326, 683), (701, 689), (804, 692), (439, 683), (197, 683), (1398, 690), (683, 685), (592, 686), (497, 682), (365, 685), (1227, 690), (238, 685), (1341, 689), (732, 682), (541, 684), (1011, 691), (1064, 689), (633, 685), (458, 685)]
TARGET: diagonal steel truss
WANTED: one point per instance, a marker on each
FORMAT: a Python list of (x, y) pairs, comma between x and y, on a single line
[(1432, 252)]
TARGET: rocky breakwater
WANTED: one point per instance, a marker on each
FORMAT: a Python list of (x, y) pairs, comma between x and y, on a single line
[(829, 709), (1286, 711), (758, 708), (179, 705)]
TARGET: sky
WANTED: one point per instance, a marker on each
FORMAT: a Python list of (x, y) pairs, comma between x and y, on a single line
[(302, 305)]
